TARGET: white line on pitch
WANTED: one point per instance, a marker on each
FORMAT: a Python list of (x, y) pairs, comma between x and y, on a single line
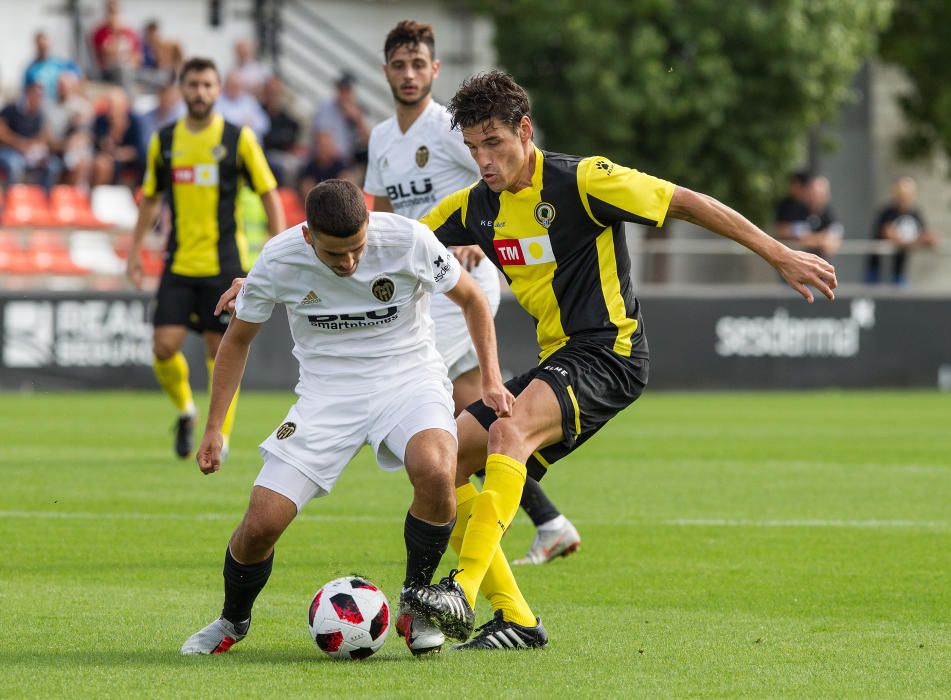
[(871, 524), (340, 518)]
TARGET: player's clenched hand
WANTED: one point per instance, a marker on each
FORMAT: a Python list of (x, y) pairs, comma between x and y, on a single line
[(803, 270), (226, 302), (468, 255), (209, 452), (497, 397)]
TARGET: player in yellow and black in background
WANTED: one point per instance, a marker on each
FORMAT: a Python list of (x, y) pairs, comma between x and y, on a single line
[(553, 224), (198, 165)]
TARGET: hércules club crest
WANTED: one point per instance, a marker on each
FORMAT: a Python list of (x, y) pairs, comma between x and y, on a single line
[(382, 289)]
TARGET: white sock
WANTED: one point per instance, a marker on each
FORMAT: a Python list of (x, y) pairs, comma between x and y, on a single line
[(553, 524)]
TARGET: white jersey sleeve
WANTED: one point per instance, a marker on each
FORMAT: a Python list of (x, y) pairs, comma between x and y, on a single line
[(437, 270), (256, 299), (373, 182)]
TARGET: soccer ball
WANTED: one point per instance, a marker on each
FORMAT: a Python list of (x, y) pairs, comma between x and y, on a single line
[(349, 618)]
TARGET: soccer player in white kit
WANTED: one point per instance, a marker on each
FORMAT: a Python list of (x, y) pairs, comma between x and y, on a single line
[(355, 288), (415, 160)]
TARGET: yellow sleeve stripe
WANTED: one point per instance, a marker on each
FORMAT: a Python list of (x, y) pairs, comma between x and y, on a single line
[(582, 175), (574, 402), (150, 181)]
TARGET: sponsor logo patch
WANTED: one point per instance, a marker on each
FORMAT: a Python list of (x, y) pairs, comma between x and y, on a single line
[(524, 251), (310, 299)]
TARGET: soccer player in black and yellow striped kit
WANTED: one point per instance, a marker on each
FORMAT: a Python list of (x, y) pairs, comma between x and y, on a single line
[(553, 224), (198, 165)]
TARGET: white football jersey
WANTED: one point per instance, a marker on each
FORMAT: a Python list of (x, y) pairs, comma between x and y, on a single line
[(352, 333), (416, 170)]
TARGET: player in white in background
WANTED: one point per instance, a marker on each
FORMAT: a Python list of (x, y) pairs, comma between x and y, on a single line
[(355, 288), (416, 159)]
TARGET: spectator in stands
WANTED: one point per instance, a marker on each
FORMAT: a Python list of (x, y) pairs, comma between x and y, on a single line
[(901, 223), (160, 57), (792, 212), (118, 142), (280, 141), (239, 107), (116, 46), (254, 74), (46, 69), (170, 108), (25, 140), (324, 163), (344, 119), (70, 120), (824, 237)]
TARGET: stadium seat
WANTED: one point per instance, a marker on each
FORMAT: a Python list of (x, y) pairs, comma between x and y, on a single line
[(368, 198), (13, 259), (26, 206), (293, 207), (49, 255), (114, 205), (94, 250), (70, 206), (153, 261)]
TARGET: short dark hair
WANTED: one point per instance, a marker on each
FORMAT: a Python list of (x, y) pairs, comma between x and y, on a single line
[(336, 208), (801, 177), (411, 34), (492, 95), (197, 64)]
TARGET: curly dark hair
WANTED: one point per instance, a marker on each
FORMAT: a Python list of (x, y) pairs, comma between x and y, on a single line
[(493, 95), (197, 64), (410, 34)]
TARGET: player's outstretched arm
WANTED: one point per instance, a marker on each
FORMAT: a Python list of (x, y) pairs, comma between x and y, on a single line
[(226, 300), (148, 211), (475, 308), (800, 270), (229, 368), (275, 213)]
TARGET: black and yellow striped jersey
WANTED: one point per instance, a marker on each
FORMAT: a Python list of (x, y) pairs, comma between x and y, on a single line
[(560, 244), (201, 174)]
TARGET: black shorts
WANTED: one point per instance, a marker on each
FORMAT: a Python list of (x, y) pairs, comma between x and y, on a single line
[(592, 383), (190, 301)]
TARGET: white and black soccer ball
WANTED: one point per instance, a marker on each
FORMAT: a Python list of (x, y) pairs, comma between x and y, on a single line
[(349, 618)]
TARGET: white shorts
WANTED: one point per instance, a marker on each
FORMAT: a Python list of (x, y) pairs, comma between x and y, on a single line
[(452, 334), (321, 434)]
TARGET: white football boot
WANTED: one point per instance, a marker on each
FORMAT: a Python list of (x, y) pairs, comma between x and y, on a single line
[(421, 637), (216, 638), (556, 539)]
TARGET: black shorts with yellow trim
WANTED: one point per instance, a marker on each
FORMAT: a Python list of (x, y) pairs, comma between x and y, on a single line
[(190, 301), (592, 383)]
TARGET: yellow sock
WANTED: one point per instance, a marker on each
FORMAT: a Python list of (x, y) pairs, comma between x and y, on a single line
[(492, 512), (172, 376), (499, 584), (228, 424)]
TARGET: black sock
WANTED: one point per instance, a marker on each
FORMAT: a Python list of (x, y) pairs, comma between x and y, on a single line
[(425, 545), (534, 501), (537, 504), (243, 582)]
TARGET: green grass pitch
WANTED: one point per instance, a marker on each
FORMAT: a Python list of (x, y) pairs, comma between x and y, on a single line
[(754, 545)]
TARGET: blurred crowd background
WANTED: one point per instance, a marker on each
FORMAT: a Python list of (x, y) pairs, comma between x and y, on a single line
[(812, 118)]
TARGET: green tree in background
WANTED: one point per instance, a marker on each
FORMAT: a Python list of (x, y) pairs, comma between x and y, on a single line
[(715, 95), (918, 41)]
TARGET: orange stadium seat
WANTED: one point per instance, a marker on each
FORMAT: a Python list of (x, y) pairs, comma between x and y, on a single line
[(26, 206), (13, 259), (293, 207), (49, 255), (70, 206), (368, 198)]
